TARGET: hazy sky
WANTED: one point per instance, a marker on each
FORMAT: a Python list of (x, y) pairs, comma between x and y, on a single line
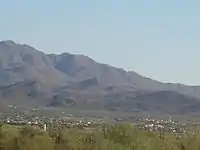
[(159, 39)]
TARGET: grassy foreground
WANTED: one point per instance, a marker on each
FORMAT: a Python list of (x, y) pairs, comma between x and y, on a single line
[(116, 137)]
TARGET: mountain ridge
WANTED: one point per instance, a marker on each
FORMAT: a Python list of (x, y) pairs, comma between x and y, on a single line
[(65, 78)]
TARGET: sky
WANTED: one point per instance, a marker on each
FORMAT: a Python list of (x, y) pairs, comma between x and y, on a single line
[(159, 39)]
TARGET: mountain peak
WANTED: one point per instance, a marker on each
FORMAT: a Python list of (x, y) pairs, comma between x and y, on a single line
[(8, 42)]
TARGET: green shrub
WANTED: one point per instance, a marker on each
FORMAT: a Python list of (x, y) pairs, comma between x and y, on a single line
[(116, 137)]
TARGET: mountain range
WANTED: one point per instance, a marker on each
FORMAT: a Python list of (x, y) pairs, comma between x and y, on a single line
[(31, 78)]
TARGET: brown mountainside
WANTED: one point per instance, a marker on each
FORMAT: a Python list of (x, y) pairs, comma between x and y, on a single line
[(65, 79)]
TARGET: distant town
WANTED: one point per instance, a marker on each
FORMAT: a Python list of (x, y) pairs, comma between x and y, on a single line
[(69, 121)]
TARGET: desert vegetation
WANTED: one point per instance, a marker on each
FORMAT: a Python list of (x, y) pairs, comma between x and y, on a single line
[(113, 137)]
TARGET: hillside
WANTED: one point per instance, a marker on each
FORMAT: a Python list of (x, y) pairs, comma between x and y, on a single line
[(28, 76)]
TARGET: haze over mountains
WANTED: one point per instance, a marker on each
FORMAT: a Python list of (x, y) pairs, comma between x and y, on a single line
[(32, 78)]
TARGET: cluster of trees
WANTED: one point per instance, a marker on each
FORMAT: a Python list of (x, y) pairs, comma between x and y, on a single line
[(116, 137)]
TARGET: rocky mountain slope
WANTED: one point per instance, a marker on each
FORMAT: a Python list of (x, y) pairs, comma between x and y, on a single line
[(32, 77)]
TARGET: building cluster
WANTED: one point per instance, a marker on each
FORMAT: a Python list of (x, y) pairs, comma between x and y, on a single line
[(167, 125), (25, 118)]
